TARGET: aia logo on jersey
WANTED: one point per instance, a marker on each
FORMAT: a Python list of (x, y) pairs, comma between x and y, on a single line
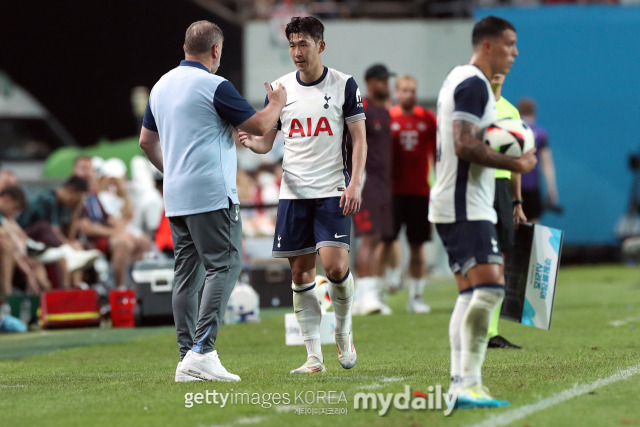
[(322, 126)]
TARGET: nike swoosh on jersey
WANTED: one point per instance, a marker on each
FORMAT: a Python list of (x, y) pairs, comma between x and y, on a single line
[(336, 236), (286, 105)]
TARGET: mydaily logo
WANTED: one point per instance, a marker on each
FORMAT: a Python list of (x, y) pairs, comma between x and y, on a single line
[(434, 400)]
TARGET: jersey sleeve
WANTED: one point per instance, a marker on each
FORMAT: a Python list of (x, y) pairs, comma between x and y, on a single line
[(278, 125), (352, 107), (470, 98), (148, 120), (230, 105)]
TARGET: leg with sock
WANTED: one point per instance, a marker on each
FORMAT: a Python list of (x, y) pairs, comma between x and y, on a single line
[(475, 324), (309, 315), (341, 294), (459, 310)]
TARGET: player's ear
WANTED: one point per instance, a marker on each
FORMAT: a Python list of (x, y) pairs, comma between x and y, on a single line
[(215, 51), (486, 44), (321, 46)]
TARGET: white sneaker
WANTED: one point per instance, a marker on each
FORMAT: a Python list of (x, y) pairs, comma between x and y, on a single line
[(385, 310), (346, 350), (206, 366), (311, 366), (49, 255), (417, 305), (369, 303), (184, 378), (79, 260)]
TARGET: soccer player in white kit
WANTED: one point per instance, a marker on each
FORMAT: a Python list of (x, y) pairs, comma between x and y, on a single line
[(317, 195), (461, 204)]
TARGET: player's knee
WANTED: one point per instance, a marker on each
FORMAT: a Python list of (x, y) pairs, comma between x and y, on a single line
[(301, 277), (337, 272)]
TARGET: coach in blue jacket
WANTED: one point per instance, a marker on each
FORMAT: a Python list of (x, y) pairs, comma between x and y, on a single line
[(187, 133)]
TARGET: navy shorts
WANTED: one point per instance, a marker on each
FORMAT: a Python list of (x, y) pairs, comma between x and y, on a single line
[(305, 225), (469, 243)]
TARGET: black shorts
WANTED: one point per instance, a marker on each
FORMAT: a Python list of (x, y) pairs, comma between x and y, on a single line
[(532, 204), (414, 212), (375, 219), (503, 204), (469, 243)]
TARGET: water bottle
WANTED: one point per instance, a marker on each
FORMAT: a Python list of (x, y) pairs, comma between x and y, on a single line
[(25, 311)]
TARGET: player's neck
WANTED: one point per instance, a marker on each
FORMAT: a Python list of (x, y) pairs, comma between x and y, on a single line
[(482, 66), (310, 76), (379, 101), (407, 111)]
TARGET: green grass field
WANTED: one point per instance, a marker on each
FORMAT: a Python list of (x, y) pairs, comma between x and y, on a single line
[(123, 377)]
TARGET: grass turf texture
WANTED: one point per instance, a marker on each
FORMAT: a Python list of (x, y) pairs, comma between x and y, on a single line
[(125, 377)]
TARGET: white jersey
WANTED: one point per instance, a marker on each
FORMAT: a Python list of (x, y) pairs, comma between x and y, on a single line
[(462, 191), (314, 123)]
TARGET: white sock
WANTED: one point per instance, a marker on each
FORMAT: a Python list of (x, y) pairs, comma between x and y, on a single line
[(416, 287), (475, 325), (341, 295), (459, 309), (393, 277), (309, 315)]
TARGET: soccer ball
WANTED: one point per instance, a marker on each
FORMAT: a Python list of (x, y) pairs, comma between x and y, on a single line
[(322, 292), (512, 137)]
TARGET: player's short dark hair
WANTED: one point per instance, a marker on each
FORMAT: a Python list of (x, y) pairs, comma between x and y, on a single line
[(307, 25), (527, 107), (489, 27), (15, 193), (201, 36), (76, 184)]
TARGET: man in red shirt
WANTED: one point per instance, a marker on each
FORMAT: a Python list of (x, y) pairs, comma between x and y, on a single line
[(413, 131)]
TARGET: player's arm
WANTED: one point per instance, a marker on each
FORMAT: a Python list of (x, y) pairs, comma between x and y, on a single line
[(352, 197), (549, 172), (262, 122), (516, 193), (150, 139), (354, 117), (470, 147)]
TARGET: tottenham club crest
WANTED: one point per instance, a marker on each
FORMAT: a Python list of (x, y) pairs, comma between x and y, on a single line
[(279, 237), (326, 98)]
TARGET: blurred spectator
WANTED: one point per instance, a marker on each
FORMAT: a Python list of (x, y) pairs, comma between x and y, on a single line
[(105, 232), (7, 178), (148, 206), (533, 204), (38, 232)]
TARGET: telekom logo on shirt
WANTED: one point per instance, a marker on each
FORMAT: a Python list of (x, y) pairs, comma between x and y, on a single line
[(322, 126)]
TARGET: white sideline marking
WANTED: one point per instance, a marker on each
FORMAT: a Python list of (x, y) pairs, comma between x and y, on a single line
[(378, 385), (579, 389), (624, 322)]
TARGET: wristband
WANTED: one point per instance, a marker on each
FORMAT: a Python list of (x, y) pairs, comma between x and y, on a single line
[(518, 202)]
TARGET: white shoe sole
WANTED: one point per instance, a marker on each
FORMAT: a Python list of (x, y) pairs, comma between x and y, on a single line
[(197, 370)]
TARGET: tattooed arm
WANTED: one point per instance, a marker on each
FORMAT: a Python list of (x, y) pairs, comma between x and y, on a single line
[(470, 147)]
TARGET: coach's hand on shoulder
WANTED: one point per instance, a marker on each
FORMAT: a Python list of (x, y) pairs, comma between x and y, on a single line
[(277, 95), (527, 162)]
